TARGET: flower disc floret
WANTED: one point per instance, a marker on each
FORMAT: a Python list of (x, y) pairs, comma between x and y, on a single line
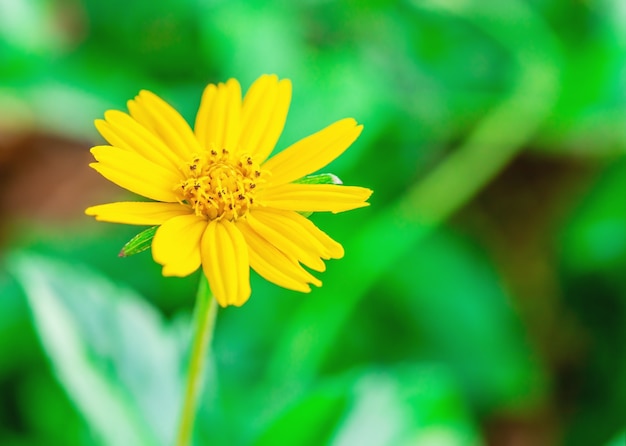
[(219, 186)]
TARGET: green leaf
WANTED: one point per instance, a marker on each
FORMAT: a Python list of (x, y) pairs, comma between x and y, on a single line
[(620, 440), (407, 405), (497, 364), (17, 344), (316, 414), (117, 360), (322, 178), (400, 405), (27, 27), (594, 237), (139, 243)]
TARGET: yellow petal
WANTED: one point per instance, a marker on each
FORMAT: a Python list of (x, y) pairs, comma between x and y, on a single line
[(135, 173), (137, 213), (291, 239), (205, 111), (273, 265), (121, 130), (314, 197), (313, 152), (317, 238), (225, 262), (176, 244), (300, 228), (263, 115), (157, 115), (218, 122)]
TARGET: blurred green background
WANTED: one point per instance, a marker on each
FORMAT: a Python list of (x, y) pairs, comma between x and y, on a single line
[(482, 298)]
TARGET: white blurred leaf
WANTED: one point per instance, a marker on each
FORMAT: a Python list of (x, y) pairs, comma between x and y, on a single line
[(117, 360)]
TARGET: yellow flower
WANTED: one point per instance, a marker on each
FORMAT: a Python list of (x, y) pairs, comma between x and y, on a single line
[(218, 200)]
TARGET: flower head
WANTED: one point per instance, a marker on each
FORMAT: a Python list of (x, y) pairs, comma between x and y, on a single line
[(219, 202)]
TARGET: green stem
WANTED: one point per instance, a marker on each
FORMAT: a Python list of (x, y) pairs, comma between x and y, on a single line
[(203, 325)]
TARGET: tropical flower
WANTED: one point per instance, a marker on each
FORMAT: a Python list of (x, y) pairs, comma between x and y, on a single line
[(219, 201)]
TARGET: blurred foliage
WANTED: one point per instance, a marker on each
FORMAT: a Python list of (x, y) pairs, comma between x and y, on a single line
[(482, 298)]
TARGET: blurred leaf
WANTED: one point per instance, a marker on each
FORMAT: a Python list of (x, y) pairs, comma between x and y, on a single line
[(250, 38), (620, 440), (28, 25), (161, 38), (316, 416), (592, 257), (461, 315), (405, 405), (408, 405), (595, 236), (18, 344), (46, 407), (96, 245), (113, 354), (139, 243), (592, 105)]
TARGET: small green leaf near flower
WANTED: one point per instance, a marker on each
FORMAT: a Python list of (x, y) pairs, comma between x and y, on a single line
[(139, 243), (322, 178)]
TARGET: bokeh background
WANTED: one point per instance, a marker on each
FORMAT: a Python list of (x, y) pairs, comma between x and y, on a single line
[(482, 298)]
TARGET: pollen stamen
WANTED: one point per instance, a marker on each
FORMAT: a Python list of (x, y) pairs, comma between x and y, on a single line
[(218, 185)]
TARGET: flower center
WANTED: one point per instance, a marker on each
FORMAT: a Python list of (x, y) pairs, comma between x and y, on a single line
[(219, 185)]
